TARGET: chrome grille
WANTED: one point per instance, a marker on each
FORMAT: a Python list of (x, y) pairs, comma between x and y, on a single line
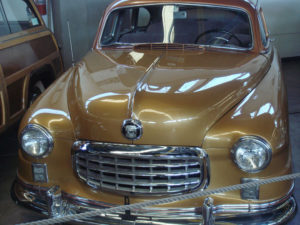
[(140, 169)]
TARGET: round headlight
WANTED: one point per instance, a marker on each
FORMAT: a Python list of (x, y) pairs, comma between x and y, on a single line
[(252, 154), (36, 141)]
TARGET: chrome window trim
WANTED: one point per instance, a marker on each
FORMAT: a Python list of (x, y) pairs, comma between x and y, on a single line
[(99, 46), (145, 151), (261, 23), (253, 3), (258, 4), (262, 28)]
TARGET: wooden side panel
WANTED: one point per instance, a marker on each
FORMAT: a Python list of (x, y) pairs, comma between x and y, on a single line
[(21, 54), (16, 58), (15, 96)]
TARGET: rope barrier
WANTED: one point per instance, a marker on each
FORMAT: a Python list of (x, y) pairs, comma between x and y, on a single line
[(136, 206)]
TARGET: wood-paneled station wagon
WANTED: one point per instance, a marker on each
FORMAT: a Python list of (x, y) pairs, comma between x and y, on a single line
[(29, 58), (175, 97)]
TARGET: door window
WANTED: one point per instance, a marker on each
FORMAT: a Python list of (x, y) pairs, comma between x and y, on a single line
[(20, 15), (4, 29)]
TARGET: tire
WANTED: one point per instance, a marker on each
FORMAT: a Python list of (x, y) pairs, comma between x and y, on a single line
[(35, 91)]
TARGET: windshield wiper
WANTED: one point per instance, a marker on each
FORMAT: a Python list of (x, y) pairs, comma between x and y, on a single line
[(118, 45), (168, 46)]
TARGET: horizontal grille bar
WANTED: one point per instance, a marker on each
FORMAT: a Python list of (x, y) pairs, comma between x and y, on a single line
[(145, 167), (146, 173), (143, 182), (131, 169)]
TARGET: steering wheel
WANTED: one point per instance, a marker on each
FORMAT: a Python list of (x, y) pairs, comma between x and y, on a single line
[(223, 37)]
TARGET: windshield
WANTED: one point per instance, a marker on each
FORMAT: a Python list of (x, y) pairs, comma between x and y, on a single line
[(183, 24)]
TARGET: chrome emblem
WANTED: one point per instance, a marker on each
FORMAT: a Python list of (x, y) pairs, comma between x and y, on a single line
[(132, 129)]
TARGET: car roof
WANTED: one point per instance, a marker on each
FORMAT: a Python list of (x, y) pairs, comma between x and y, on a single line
[(254, 4)]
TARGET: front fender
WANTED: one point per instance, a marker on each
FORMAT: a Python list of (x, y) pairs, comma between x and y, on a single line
[(262, 113)]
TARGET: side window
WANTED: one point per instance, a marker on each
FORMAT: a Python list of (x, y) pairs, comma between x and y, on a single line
[(110, 27), (20, 15), (118, 24), (4, 29), (263, 28)]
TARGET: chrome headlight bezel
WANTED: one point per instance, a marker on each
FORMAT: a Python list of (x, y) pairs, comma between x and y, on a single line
[(45, 133), (258, 140)]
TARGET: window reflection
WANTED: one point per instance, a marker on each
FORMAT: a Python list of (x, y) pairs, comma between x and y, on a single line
[(145, 111), (187, 86), (193, 84), (50, 111), (136, 56), (221, 80), (267, 108), (181, 120), (102, 97), (156, 89)]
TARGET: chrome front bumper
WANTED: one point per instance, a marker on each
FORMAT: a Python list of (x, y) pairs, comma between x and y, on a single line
[(55, 203)]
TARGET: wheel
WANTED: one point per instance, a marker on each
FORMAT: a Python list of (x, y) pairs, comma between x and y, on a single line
[(217, 37), (35, 91)]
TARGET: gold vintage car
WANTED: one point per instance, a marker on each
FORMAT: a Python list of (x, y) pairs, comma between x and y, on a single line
[(29, 58), (175, 97)]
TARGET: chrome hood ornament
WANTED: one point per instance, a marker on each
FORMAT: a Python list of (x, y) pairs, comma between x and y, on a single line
[(132, 129)]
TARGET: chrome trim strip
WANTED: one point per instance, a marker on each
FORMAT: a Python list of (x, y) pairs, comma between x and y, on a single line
[(99, 46), (139, 86), (126, 149), (253, 207)]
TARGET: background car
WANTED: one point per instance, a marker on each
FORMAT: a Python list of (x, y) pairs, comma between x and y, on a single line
[(29, 58)]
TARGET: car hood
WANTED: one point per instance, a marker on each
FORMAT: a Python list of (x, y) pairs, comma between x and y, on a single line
[(177, 95)]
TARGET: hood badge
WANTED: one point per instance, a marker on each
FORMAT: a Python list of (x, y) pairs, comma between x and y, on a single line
[(132, 129)]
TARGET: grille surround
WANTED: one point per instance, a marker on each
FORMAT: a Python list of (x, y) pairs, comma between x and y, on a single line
[(141, 169)]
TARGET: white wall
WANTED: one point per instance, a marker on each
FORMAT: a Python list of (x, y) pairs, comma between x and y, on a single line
[(84, 17), (283, 19)]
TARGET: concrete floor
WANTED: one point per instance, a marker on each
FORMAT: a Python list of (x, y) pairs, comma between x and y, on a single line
[(10, 213)]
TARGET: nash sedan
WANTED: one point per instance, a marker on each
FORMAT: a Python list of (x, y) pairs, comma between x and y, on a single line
[(175, 97)]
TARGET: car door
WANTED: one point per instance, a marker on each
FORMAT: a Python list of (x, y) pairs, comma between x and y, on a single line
[(28, 51)]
